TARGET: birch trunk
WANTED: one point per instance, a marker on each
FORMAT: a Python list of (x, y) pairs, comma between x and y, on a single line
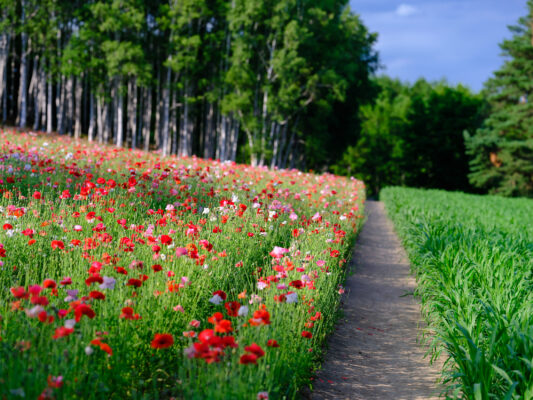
[(140, 113), (234, 140), (119, 116), (69, 106), (77, 118), (49, 106), (185, 147), (132, 111), (42, 94), (158, 108), (91, 117), (4, 51), (61, 107), (166, 104), (147, 118), (209, 140), (23, 71), (222, 138), (173, 119), (34, 90)]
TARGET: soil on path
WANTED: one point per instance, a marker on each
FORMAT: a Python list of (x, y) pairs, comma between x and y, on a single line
[(374, 353)]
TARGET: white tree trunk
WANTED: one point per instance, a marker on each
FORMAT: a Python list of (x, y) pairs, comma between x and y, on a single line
[(132, 111), (49, 117), (61, 107), (69, 104), (4, 51), (91, 117), (147, 117), (119, 116), (34, 90), (42, 94), (166, 104), (77, 118), (23, 71), (209, 141), (222, 138)]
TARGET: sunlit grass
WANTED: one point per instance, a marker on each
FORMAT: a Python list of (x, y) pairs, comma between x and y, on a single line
[(473, 258)]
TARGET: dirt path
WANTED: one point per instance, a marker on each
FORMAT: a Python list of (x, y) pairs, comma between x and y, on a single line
[(374, 352)]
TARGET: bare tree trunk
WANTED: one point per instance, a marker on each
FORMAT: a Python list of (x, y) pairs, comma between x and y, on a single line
[(147, 117), (69, 104), (158, 109), (77, 118), (119, 115), (49, 106), (140, 93), (173, 118), (23, 71), (275, 144), (42, 94), (61, 108), (91, 117), (164, 131), (132, 111), (282, 143), (34, 90), (209, 141), (4, 52), (100, 118), (222, 138), (232, 152)]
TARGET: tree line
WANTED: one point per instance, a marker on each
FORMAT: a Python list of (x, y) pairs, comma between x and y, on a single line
[(270, 82), (436, 135)]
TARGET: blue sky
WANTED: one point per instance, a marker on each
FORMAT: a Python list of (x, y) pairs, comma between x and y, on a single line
[(452, 39)]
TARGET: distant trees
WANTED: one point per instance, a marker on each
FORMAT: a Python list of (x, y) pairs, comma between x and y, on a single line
[(413, 136), (271, 82), (502, 150)]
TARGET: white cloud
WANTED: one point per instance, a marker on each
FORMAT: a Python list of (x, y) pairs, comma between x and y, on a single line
[(406, 10)]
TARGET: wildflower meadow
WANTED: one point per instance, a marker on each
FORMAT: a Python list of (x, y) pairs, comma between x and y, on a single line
[(124, 274)]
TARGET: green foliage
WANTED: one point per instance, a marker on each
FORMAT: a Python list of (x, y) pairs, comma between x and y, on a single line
[(413, 135), (473, 259), (502, 150)]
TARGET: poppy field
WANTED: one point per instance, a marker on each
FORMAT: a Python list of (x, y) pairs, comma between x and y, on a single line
[(127, 275), (473, 258)]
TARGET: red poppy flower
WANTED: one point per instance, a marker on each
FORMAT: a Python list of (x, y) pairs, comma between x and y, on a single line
[(134, 282), (307, 335), (19, 293), (162, 341), (248, 359), (127, 313), (223, 326), (37, 195), (62, 332), (103, 346), (298, 284), (96, 295), (220, 293), (57, 244), (232, 308), (157, 267), (165, 239), (83, 309), (206, 335), (93, 279), (254, 348), (272, 343), (49, 284)]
